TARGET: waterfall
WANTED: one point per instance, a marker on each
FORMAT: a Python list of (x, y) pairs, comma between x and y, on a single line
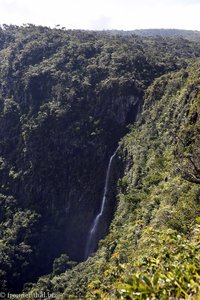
[(91, 241)]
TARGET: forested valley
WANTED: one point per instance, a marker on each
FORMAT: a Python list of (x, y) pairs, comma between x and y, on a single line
[(101, 129)]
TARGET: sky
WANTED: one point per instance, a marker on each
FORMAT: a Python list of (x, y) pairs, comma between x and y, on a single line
[(103, 14)]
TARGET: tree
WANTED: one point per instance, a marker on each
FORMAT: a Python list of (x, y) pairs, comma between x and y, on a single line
[(61, 264)]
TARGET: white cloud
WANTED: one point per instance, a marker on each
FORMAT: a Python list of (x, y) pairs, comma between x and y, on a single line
[(103, 14)]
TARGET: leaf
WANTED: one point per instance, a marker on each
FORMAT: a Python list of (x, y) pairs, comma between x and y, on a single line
[(147, 280), (155, 279)]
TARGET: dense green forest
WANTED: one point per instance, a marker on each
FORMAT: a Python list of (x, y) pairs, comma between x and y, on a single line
[(68, 100), (172, 33)]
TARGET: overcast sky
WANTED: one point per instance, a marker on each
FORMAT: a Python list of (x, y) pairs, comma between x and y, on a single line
[(103, 14)]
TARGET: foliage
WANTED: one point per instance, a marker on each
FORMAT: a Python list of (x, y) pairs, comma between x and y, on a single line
[(61, 264), (66, 98), (170, 270)]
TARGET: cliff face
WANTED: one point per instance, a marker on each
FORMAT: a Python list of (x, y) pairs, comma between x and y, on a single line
[(152, 249), (66, 98)]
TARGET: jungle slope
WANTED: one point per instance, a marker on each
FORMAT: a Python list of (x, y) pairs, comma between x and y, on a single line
[(66, 98), (153, 248), (192, 35)]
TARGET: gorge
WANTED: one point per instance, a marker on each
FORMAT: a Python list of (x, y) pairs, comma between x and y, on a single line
[(68, 100)]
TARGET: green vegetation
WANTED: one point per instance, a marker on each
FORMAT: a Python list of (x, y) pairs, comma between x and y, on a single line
[(66, 98), (153, 248), (169, 33)]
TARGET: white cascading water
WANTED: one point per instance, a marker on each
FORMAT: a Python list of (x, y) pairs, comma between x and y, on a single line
[(91, 241)]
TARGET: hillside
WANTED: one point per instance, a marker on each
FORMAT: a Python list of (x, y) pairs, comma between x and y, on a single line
[(153, 247), (68, 100), (192, 35)]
